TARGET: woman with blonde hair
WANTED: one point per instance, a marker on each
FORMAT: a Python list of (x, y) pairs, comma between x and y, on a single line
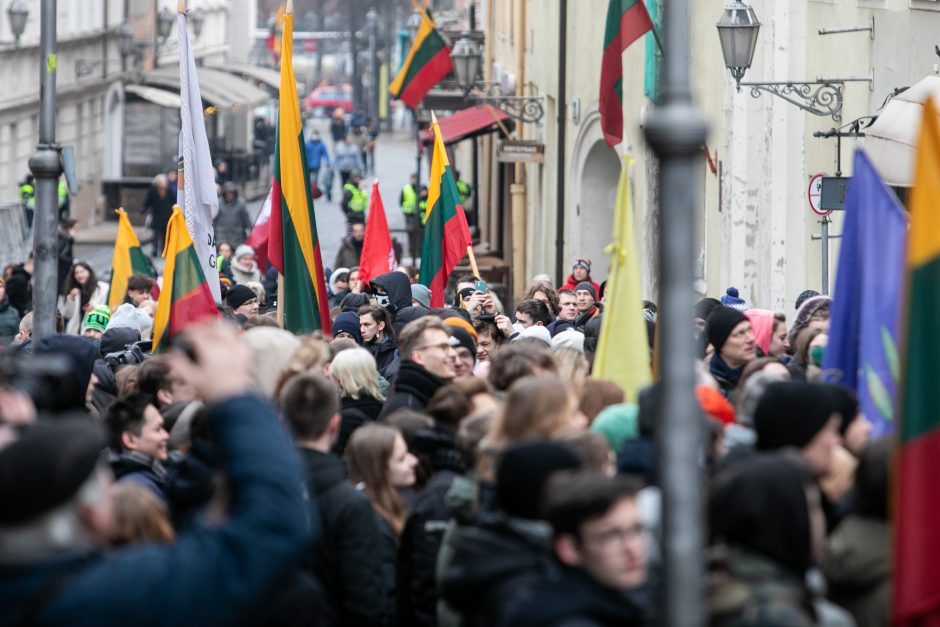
[(361, 399), (313, 355), (379, 464), (572, 367)]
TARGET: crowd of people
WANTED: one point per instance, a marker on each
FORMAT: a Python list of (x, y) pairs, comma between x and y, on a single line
[(418, 466)]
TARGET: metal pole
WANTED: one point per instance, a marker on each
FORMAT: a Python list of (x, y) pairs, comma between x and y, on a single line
[(355, 78), (44, 165), (676, 132), (372, 20), (561, 147), (824, 239)]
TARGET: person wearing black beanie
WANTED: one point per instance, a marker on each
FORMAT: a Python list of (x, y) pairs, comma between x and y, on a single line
[(854, 427), (701, 312), (762, 514), (496, 562), (243, 300), (801, 415), (523, 472), (729, 332)]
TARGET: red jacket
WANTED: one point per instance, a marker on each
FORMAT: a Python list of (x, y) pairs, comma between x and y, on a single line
[(570, 284)]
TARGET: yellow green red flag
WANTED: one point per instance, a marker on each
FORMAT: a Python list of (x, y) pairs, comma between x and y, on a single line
[(185, 297), (294, 246)]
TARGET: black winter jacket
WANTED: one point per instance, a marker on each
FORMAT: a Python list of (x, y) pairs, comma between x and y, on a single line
[(386, 356), (413, 388), (20, 290), (346, 557), (354, 412), (494, 564), (424, 530), (570, 598)]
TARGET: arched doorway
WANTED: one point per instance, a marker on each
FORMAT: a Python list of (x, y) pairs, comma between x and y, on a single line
[(594, 214)]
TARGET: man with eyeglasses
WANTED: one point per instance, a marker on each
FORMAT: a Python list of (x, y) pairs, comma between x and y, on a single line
[(601, 546), (428, 361)]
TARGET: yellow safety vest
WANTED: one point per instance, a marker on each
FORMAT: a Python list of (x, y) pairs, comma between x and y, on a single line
[(409, 199), (464, 190), (423, 208), (358, 200)]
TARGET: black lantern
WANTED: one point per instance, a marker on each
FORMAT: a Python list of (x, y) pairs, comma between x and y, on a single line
[(737, 31)]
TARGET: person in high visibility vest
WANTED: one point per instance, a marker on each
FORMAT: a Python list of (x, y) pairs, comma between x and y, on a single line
[(28, 198), (408, 200), (355, 201), (423, 203), (463, 189), (64, 204)]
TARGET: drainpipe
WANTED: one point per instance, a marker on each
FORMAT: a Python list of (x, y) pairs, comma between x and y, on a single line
[(561, 105)]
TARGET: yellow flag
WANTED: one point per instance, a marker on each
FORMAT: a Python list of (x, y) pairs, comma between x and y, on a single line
[(622, 355)]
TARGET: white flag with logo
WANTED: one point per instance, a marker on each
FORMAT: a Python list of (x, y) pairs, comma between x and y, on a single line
[(197, 196)]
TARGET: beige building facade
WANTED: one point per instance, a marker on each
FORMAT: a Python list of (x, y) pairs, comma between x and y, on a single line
[(755, 225)]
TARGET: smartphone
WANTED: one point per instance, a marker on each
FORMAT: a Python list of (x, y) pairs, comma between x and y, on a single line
[(480, 286)]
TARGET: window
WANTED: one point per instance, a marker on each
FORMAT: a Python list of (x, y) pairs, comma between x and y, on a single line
[(925, 5)]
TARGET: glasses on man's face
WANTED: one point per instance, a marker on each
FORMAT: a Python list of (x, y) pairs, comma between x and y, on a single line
[(444, 346), (619, 535)]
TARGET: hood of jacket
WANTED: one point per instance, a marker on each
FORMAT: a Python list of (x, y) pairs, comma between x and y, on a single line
[(492, 554), (415, 380), (127, 462), (398, 288)]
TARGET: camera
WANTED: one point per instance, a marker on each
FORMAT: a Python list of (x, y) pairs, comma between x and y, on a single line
[(132, 355)]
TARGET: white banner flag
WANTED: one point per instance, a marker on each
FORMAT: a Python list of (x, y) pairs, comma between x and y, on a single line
[(197, 196)]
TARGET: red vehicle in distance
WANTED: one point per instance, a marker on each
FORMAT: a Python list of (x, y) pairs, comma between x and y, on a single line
[(329, 97)]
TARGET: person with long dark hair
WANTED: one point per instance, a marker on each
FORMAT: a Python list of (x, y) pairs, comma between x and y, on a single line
[(82, 291)]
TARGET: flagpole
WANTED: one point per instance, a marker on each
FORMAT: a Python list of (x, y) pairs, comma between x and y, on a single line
[(181, 6), (288, 10)]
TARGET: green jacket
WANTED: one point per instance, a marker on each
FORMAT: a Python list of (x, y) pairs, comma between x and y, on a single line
[(749, 590)]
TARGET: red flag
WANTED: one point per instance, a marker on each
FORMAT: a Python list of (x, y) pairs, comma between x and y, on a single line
[(260, 232), (378, 256)]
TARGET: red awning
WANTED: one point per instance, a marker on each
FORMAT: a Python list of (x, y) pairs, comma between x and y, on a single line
[(470, 122)]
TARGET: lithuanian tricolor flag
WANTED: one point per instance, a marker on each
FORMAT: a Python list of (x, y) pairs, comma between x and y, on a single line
[(294, 247), (446, 234), (128, 259), (185, 297), (427, 63), (917, 506), (626, 21)]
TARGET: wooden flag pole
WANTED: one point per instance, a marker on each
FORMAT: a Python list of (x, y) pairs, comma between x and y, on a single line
[(181, 6), (289, 7), (473, 262)]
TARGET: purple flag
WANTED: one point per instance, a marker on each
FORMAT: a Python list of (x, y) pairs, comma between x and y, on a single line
[(865, 317)]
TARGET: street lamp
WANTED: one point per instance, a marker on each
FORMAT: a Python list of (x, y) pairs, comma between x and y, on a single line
[(17, 13), (198, 17), (737, 32), (466, 56), (125, 37), (164, 23)]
